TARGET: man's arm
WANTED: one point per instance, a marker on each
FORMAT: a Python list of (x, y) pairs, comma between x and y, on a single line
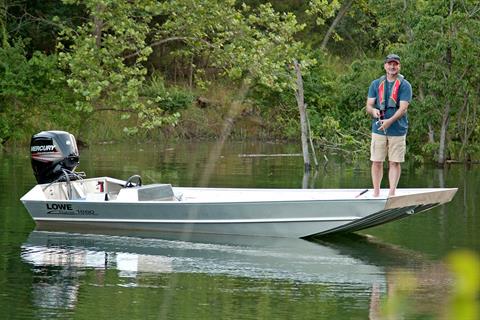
[(370, 108), (402, 109)]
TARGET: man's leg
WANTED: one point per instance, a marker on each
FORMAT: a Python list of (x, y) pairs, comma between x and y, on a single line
[(378, 152), (394, 171), (377, 174), (396, 155)]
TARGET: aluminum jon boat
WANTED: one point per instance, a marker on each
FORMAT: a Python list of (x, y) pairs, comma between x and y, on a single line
[(110, 203)]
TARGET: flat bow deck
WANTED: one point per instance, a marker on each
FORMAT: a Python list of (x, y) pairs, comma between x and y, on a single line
[(105, 203)]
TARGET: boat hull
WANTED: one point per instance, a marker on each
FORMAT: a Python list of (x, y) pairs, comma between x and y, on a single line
[(285, 219), (259, 212)]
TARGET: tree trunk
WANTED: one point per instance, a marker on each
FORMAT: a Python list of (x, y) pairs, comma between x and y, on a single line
[(431, 134), (3, 25), (421, 98), (442, 157), (443, 135), (331, 29), (303, 118), (98, 23), (190, 74)]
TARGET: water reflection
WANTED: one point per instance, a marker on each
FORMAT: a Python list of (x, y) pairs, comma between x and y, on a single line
[(349, 266), (65, 257), (280, 258)]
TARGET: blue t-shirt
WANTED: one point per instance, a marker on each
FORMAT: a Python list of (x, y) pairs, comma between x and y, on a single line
[(399, 127)]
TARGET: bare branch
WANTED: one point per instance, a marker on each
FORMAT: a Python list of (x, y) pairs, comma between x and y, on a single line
[(337, 19), (116, 110)]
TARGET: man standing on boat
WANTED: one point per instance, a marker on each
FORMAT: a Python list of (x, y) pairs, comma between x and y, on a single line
[(387, 102)]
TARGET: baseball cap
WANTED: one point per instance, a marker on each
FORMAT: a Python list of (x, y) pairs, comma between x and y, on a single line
[(392, 57)]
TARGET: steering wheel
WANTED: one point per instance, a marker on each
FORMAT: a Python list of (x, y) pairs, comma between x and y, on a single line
[(133, 181)]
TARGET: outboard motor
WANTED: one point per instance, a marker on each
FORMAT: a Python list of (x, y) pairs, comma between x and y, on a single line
[(54, 156)]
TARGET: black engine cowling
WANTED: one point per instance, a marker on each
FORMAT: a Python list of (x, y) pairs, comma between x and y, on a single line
[(54, 155)]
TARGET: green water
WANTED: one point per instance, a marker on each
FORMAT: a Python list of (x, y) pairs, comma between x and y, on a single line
[(79, 276)]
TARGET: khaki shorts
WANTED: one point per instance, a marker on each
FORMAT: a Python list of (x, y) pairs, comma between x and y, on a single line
[(393, 146)]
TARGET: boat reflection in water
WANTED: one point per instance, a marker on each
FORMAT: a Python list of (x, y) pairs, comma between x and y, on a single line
[(278, 258), (63, 258)]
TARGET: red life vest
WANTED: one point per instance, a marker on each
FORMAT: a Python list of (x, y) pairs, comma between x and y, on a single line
[(393, 99)]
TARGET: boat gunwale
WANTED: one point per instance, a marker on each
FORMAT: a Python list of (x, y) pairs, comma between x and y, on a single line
[(189, 202)]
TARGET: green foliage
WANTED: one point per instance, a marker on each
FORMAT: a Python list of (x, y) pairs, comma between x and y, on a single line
[(247, 45), (466, 267), (323, 9), (172, 100), (284, 121), (428, 150), (320, 85), (439, 42), (33, 21), (95, 57), (341, 121), (462, 300), (27, 87), (104, 50)]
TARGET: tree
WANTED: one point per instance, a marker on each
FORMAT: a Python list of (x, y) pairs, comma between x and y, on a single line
[(246, 46), (104, 58), (30, 93), (99, 64)]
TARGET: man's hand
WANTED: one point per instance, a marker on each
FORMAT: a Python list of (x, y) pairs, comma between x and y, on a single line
[(375, 113), (384, 124)]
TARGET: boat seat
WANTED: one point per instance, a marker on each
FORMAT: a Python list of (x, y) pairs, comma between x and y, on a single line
[(151, 192), (155, 192)]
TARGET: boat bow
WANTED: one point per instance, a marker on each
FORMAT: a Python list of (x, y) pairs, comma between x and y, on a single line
[(408, 202)]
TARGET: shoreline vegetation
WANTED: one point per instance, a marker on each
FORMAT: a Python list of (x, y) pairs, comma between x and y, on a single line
[(217, 70)]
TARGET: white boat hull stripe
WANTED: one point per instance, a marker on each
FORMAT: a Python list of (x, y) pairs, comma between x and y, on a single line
[(186, 221)]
